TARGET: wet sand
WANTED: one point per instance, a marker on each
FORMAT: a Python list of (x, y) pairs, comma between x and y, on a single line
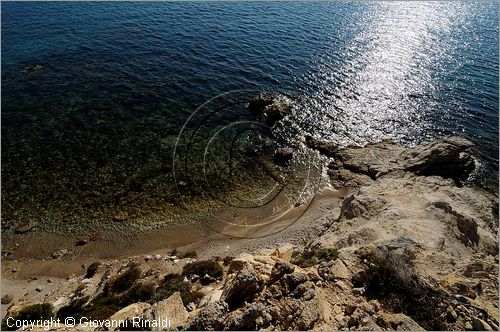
[(32, 256)]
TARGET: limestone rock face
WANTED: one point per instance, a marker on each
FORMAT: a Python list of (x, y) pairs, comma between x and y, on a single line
[(404, 247), (448, 157), (243, 288), (171, 308), (211, 317), (445, 157), (272, 107)]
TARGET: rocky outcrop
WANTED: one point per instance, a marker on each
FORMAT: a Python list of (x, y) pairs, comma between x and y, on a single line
[(172, 309), (273, 108), (211, 317), (405, 248), (449, 157)]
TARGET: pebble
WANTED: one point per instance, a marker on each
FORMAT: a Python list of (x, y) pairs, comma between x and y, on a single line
[(451, 314), (39, 289), (6, 299)]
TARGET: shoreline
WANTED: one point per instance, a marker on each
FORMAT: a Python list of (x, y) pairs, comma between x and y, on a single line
[(392, 205)]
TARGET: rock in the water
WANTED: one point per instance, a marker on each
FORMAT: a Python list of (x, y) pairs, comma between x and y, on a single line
[(243, 288), (25, 226), (6, 299), (445, 157), (272, 107), (448, 157), (134, 310), (281, 268), (279, 109), (259, 102), (33, 68), (328, 149), (210, 317)]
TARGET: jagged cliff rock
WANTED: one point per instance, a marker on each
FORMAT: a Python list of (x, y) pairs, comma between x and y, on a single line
[(410, 248)]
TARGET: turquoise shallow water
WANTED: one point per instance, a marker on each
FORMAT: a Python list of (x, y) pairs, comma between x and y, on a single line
[(93, 127)]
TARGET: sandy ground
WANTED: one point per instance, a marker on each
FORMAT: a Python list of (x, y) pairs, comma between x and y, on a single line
[(31, 264)]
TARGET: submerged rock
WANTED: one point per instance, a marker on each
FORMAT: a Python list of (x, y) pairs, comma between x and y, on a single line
[(34, 68), (243, 288), (272, 107), (283, 156), (6, 299), (259, 102), (26, 226)]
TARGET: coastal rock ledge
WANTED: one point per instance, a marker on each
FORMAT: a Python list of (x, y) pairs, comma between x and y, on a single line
[(404, 244)]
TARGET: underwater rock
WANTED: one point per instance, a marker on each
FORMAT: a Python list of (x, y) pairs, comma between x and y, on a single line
[(272, 107), (25, 226), (6, 299)]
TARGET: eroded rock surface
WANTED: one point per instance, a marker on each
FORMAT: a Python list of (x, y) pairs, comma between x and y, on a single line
[(407, 247)]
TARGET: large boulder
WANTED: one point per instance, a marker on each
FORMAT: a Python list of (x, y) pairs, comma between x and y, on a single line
[(211, 317), (127, 314), (279, 109), (272, 107), (243, 288)]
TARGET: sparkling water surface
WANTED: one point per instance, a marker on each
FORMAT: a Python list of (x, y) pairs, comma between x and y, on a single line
[(94, 94)]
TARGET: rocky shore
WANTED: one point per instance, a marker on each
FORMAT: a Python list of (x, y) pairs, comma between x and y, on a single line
[(407, 246)]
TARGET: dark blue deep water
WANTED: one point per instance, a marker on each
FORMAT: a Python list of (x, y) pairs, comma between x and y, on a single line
[(94, 94)]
